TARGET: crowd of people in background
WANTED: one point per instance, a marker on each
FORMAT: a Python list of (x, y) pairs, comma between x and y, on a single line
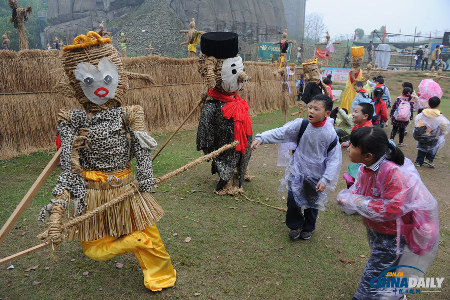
[(422, 55)]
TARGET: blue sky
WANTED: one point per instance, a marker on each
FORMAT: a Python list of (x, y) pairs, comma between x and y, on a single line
[(344, 16)]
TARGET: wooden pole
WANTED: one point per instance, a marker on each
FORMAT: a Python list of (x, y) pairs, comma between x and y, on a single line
[(116, 200), (32, 192), (175, 132)]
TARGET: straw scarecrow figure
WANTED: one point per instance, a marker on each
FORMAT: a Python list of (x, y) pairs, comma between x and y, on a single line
[(193, 38), (284, 74), (6, 41), (355, 74), (284, 45), (315, 86), (150, 49), (57, 44), (98, 143), (102, 32), (123, 44), (329, 48), (19, 17), (224, 117)]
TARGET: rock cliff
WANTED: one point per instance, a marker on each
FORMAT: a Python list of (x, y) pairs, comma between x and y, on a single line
[(253, 20), (158, 21)]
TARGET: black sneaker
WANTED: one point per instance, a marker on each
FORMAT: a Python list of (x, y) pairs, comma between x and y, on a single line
[(294, 234), (306, 235)]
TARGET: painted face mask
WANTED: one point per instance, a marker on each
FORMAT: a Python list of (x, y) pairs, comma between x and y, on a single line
[(231, 69), (98, 84)]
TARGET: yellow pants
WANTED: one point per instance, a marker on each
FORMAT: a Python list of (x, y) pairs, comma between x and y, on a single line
[(149, 250)]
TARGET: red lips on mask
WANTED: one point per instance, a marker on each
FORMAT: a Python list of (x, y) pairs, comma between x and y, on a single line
[(101, 92)]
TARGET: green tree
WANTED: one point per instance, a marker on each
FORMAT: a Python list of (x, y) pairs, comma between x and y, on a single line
[(359, 33)]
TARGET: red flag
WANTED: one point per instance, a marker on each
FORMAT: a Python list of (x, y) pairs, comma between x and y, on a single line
[(320, 53), (384, 34), (354, 37)]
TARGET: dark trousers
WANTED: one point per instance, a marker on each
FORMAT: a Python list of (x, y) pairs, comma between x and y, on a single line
[(422, 155), (425, 63), (383, 248), (401, 133), (295, 219), (417, 66), (433, 64)]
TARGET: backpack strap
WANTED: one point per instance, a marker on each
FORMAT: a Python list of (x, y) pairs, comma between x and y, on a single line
[(305, 123), (332, 145)]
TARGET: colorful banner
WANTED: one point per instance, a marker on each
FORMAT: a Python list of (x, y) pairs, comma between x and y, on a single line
[(267, 50), (320, 53), (337, 74)]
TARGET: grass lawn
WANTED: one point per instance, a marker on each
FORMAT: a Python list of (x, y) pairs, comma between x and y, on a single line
[(238, 249)]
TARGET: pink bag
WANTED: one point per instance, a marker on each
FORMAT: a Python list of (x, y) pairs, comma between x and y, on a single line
[(403, 111)]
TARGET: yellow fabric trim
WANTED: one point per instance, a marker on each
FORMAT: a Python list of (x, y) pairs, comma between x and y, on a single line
[(192, 48), (99, 176), (85, 41), (314, 61), (281, 61)]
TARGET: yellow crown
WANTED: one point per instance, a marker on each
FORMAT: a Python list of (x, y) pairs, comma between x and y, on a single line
[(85, 41), (314, 61), (358, 51)]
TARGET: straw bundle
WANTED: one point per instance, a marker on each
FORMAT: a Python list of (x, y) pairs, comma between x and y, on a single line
[(29, 70)]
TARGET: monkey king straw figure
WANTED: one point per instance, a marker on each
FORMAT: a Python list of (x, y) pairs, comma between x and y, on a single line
[(192, 36), (224, 117), (98, 143)]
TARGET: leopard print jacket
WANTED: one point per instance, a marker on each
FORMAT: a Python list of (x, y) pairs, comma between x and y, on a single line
[(113, 142)]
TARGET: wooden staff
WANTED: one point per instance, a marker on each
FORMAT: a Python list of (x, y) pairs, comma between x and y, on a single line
[(116, 200), (179, 127), (26, 200)]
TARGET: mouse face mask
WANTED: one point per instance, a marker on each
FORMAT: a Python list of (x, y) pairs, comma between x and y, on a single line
[(99, 84), (232, 80)]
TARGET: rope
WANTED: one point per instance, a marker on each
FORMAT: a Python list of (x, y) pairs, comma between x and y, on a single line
[(135, 88), (265, 204)]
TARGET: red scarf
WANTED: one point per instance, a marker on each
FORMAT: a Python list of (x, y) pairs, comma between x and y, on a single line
[(367, 123), (356, 76), (237, 109), (319, 124), (362, 91)]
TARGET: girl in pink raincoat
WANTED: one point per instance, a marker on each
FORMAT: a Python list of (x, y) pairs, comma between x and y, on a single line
[(400, 214)]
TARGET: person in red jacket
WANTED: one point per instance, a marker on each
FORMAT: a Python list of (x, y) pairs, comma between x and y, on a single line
[(380, 116), (398, 211)]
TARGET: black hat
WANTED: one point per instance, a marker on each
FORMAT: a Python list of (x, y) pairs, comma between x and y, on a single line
[(220, 44)]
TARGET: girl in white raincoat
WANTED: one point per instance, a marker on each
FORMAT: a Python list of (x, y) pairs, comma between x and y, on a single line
[(400, 214)]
